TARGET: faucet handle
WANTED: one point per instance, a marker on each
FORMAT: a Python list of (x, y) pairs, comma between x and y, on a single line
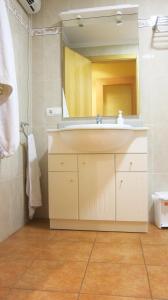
[(98, 119)]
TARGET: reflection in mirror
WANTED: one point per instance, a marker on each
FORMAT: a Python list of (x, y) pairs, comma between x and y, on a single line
[(100, 63)]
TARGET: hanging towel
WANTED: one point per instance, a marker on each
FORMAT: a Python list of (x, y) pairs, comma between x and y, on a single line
[(9, 112), (33, 189)]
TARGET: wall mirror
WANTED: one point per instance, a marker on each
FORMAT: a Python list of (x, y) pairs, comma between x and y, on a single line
[(100, 61)]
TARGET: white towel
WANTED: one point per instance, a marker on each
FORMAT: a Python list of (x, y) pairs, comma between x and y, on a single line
[(33, 189), (9, 112)]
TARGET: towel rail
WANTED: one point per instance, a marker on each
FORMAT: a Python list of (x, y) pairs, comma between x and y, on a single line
[(1, 89), (22, 128)]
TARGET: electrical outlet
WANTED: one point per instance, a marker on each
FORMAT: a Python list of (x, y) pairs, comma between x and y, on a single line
[(54, 111)]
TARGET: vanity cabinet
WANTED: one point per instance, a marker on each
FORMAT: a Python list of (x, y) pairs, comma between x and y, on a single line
[(96, 187), (98, 191)]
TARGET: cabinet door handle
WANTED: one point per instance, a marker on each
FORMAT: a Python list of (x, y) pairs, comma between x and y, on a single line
[(131, 163), (83, 163), (62, 163), (71, 180), (121, 182)]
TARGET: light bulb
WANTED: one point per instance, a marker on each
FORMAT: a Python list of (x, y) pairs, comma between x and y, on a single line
[(79, 21), (119, 18)]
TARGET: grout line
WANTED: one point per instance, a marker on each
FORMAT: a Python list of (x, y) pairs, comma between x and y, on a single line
[(69, 240), (146, 270), (86, 267), (40, 290), (117, 295), (77, 293)]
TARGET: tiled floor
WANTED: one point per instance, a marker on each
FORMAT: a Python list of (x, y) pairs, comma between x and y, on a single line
[(41, 264)]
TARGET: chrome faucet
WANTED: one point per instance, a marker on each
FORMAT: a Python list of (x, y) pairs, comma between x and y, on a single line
[(98, 119)]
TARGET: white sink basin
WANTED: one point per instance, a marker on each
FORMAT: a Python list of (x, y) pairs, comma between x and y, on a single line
[(97, 126), (96, 137)]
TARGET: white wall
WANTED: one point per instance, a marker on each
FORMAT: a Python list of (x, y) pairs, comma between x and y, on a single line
[(12, 199), (153, 86)]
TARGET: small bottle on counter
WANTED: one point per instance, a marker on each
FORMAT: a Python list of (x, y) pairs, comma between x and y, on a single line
[(120, 119)]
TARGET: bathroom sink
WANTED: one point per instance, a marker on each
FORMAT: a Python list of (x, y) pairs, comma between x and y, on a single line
[(96, 137), (97, 126)]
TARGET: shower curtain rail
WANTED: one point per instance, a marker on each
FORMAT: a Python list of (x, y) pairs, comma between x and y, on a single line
[(23, 125)]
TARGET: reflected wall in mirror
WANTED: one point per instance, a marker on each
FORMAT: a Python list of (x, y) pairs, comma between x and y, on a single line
[(100, 64)]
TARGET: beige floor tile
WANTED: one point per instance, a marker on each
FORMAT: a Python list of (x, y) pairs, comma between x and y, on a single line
[(156, 255), (117, 252), (6, 248), (3, 293), (157, 237), (101, 297), (11, 270), (122, 237), (53, 276), (28, 241), (30, 232), (116, 279), (158, 277), (22, 249), (74, 251), (39, 295), (153, 228), (74, 236)]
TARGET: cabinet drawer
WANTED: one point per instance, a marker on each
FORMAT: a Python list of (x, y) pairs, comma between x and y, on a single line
[(131, 162), (64, 162)]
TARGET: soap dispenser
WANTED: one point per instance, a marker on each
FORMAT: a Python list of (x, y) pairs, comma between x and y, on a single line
[(120, 119)]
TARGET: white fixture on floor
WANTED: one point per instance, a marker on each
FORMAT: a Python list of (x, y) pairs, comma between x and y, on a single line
[(161, 209)]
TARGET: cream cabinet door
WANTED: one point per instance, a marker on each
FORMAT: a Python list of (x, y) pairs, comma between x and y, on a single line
[(96, 187), (63, 195), (131, 196)]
